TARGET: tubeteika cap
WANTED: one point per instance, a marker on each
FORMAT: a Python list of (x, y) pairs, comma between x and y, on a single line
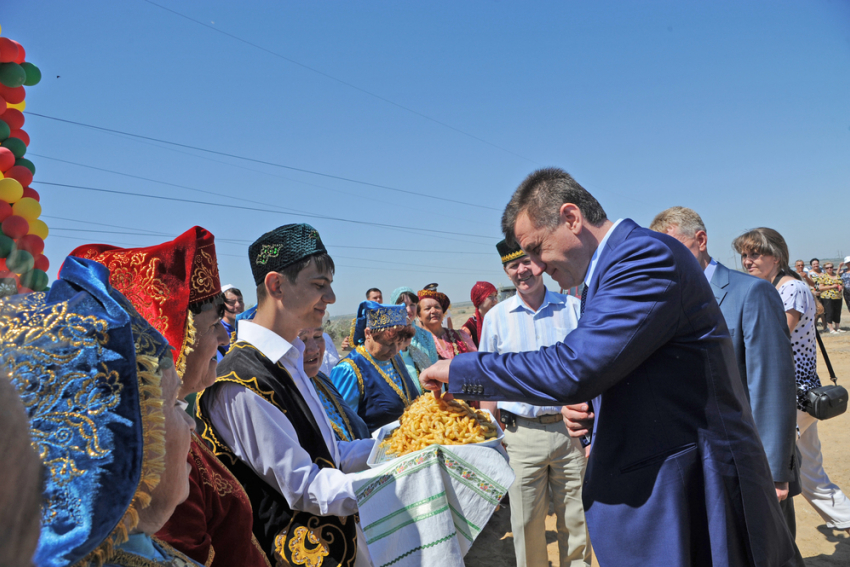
[(282, 247), (509, 253)]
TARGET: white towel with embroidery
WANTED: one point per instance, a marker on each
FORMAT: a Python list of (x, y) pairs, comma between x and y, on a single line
[(426, 508)]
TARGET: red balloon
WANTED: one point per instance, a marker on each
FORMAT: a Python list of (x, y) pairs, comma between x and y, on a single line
[(22, 55), (13, 96), (14, 118), (21, 135), (22, 290), (31, 243), (40, 263), (2, 105), (7, 159), (19, 173), (15, 227), (5, 210), (8, 50), (7, 273), (28, 192)]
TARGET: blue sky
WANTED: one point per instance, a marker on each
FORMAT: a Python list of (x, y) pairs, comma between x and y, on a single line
[(740, 110)]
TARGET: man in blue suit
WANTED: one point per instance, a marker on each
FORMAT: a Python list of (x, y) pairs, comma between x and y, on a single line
[(677, 475)]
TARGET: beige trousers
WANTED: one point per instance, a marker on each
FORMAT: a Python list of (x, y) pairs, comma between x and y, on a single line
[(546, 460)]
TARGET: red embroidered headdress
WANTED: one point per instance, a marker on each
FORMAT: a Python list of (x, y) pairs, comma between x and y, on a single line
[(162, 281)]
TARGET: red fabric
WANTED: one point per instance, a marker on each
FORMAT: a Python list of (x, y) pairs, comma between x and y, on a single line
[(213, 525), (441, 298), (480, 292), (161, 281)]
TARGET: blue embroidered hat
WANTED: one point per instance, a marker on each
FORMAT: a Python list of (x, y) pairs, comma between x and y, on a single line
[(282, 247), (88, 369), (377, 317)]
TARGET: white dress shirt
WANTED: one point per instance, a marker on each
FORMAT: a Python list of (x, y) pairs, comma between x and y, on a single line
[(512, 326), (710, 269), (260, 434), (331, 357)]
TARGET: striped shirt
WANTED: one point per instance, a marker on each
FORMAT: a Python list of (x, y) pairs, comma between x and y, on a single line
[(511, 326)]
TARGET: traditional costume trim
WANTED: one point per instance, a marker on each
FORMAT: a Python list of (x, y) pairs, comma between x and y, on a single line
[(357, 373), (405, 397), (512, 256), (348, 434)]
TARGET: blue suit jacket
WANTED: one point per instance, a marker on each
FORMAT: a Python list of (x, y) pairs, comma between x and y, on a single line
[(755, 317), (677, 475)]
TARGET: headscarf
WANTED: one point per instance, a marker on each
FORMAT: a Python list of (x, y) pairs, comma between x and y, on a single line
[(441, 298), (480, 292), (396, 294)]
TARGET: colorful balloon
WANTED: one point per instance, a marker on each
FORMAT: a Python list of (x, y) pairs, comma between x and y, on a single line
[(35, 279), (41, 263), (19, 106), (12, 75), (24, 162), (13, 96), (19, 172), (19, 261), (3, 105), (39, 227), (22, 54), (14, 118), (31, 243), (31, 193), (5, 210), (11, 190), (5, 131), (27, 208), (16, 146), (15, 226), (33, 74), (7, 246), (8, 50), (19, 134)]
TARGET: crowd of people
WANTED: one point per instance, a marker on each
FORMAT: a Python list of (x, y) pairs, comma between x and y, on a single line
[(663, 414)]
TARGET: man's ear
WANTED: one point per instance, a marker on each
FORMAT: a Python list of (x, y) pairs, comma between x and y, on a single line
[(702, 239), (367, 332), (274, 285), (571, 216)]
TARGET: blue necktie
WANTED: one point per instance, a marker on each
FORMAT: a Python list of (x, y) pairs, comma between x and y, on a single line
[(585, 441), (583, 298)]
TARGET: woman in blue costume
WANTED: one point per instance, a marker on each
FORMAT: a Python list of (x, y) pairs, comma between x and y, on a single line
[(347, 425), (421, 352), (372, 379), (100, 390)]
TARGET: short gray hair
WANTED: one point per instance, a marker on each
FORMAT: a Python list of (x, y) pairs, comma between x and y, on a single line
[(686, 221), (541, 195)]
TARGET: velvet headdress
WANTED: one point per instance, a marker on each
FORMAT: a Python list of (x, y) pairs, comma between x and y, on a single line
[(87, 368), (162, 281), (508, 253), (377, 317)]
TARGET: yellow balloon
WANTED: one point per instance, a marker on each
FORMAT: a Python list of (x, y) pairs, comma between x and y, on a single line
[(10, 190), (20, 106), (38, 228), (28, 208)]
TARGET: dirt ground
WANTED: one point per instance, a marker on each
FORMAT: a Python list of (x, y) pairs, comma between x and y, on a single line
[(819, 545)]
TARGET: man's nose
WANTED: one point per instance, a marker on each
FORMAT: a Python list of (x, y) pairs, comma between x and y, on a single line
[(537, 267)]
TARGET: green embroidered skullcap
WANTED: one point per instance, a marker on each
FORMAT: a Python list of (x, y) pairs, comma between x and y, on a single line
[(282, 247), (509, 253)]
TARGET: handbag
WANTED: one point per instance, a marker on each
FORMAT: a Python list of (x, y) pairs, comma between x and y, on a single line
[(827, 401)]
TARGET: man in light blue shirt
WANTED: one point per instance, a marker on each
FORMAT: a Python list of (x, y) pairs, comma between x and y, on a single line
[(543, 455)]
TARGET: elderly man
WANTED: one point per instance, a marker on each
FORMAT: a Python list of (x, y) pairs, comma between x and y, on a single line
[(543, 456), (677, 475)]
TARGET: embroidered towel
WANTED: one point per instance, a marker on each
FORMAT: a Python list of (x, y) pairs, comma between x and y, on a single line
[(426, 508)]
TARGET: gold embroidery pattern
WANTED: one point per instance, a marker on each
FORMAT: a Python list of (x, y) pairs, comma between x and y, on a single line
[(267, 252), (309, 544), (203, 281), (405, 396), (328, 399), (222, 485), (354, 367), (304, 555), (126, 559), (512, 256)]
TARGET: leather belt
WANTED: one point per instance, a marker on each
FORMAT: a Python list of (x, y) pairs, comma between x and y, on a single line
[(543, 419)]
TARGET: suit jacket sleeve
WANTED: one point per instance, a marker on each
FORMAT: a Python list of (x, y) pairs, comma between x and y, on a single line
[(770, 377), (634, 310)]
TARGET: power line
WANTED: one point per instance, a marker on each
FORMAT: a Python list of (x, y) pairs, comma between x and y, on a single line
[(342, 82), (255, 209), (269, 163)]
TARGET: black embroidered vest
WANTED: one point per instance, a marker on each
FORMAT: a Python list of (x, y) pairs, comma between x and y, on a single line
[(298, 537)]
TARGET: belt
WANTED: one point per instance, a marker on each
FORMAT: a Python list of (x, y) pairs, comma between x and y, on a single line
[(543, 419)]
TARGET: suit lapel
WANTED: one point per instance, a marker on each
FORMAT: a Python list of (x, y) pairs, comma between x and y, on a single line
[(719, 282)]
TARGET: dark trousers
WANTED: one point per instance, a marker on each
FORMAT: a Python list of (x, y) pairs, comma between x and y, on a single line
[(831, 310), (787, 507)]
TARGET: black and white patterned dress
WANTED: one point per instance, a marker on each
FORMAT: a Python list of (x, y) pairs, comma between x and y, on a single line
[(796, 295)]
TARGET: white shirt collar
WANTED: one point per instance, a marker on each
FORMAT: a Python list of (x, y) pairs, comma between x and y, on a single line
[(548, 299), (273, 346), (598, 254), (710, 269)]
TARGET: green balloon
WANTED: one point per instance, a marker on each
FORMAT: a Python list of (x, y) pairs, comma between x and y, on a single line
[(4, 130), (16, 146), (12, 75), (20, 261), (36, 280), (26, 163), (33, 74), (7, 246)]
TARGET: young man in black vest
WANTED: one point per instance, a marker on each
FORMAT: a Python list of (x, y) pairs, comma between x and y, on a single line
[(266, 422)]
